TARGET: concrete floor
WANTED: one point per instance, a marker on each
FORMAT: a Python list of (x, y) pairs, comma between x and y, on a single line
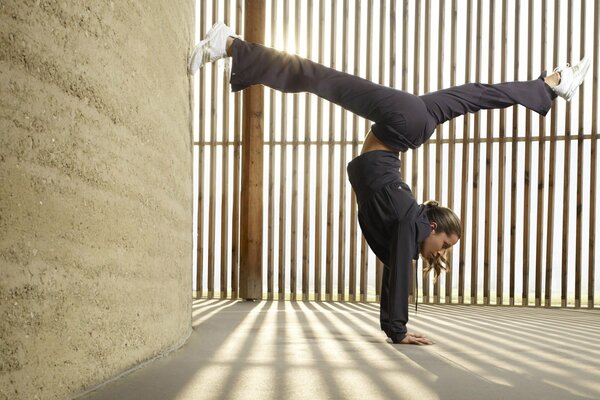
[(296, 350)]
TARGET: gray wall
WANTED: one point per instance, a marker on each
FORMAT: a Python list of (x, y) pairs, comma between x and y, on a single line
[(95, 190)]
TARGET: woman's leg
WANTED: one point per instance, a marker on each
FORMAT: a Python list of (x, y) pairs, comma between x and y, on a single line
[(399, 117), (402, 121), (446, 104)]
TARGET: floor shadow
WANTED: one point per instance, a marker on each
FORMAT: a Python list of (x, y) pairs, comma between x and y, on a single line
[(286, 350), (165, 377)]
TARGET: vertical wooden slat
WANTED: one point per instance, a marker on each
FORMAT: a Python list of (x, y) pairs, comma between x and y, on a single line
[(452, 147), (593, 161), (318, 205), (580, 143), (342, 170), (354, 234), (307, 163), (381, 58), (476, 163), (565, 256), (405, 16), (502, 166), (213, 167), (552, 156), (272, 147), (392, 51), (416, 92), (403, 156), (236, 175), (364, 264), (541, 175), (225, 178), (427, 146), (527, 172), (364, 251), (201, 130), (392, 46), (251, 228), (283, 176), (580, 131), (439, 131), (489, 162), (294, 216), (514, 160), (331, 148), (465, 159)]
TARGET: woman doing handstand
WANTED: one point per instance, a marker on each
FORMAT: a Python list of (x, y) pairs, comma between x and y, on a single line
[(395, 226)]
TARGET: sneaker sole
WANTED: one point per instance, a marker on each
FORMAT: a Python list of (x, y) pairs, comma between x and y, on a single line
[(200, 47)]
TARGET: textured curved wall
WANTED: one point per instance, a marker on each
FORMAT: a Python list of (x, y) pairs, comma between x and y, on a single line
[(95, 190)]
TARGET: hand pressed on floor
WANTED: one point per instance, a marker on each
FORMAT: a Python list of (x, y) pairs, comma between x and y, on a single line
[(415, 338)]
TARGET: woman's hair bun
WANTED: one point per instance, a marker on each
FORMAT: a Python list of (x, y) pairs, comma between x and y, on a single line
[(432, 203)]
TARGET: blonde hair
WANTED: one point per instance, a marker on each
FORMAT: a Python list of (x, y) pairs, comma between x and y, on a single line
[(447, 222)]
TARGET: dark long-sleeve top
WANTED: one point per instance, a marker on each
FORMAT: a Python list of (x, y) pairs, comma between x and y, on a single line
[(393, 224)]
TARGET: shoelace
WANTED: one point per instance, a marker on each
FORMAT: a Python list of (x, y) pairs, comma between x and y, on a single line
[(558, 69)]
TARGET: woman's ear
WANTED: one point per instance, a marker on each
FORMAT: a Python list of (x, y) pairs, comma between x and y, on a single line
[(433, 226)]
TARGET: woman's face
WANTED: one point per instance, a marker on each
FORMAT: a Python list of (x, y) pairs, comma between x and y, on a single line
[(436, 244)]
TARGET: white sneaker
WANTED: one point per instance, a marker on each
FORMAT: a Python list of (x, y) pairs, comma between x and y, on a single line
[(571, 78), (212, 48)]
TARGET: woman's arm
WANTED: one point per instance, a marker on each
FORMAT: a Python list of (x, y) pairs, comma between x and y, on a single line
[(403, 248)]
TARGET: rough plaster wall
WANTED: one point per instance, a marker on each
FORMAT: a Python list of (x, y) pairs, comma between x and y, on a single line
[(95, 190)]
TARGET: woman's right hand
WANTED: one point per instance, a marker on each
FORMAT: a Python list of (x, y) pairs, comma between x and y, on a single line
[(415, 338)]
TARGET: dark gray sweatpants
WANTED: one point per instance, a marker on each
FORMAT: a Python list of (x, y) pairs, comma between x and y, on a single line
[(401, 120)]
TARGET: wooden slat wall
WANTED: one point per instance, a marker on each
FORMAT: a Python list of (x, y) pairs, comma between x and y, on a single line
[(517, 235)]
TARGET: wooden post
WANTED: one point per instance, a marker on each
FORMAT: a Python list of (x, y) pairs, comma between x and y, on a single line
[(252, 168)]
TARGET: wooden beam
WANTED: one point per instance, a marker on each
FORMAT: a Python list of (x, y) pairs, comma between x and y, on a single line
[(252, 167)]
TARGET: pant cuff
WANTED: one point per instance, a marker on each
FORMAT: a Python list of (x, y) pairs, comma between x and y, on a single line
[(236, 66)]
